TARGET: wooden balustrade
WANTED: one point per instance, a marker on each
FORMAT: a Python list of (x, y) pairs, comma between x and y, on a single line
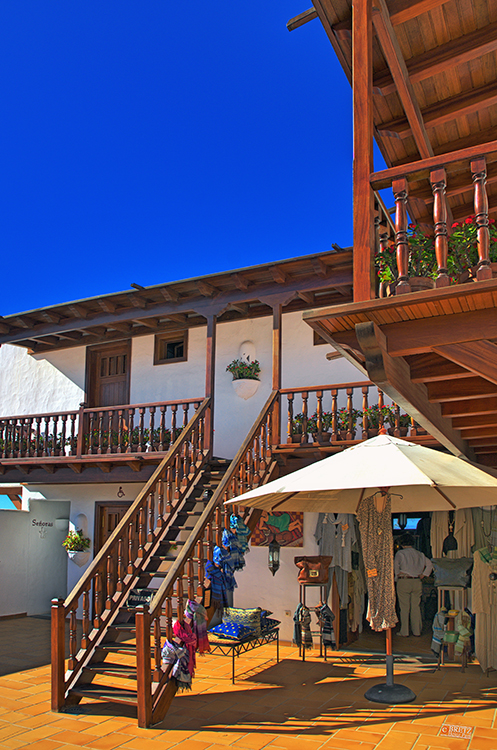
[(345, 411), (116, 567), (134, 428), (435, 170), (252, 466)]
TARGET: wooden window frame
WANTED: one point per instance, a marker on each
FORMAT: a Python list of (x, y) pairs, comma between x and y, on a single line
[(171, 336)]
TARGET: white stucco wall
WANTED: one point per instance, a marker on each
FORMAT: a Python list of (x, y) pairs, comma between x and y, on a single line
[(35, 384), (33, 563)]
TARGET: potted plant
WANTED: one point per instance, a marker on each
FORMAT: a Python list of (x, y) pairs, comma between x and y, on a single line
[(245, 376), (77, 547), (346, 423), (374, 415), (326, 422)]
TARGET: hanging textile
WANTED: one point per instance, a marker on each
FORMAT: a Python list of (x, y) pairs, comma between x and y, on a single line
[(485, 526), (223, 560), (184, 632), (198, 615), (326, 617), (219, 584), (233, 544), (377, 543), (335, 535), (302, 627), (357, 590), (173, 653), (463, 532), (484, 604), (242, 531)]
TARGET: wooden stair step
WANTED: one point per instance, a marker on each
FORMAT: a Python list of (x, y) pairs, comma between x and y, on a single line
[(121, 670), (119, 648), (106, 692)]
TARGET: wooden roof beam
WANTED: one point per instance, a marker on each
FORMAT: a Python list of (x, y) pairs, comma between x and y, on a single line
[(137, 300), (241, 282), (279, 275), (147, 322), (430, 368), (22, 322), (405, 10), (468, 209), (241, 307), (206, 289), (169, 294), (301, 19), (307, 297), (396, 63), (320, 268), (457, 185), (473, 407), (454, 390), (442, 58), (479, 357), (179, 318), (475, 421), (122, 327), (107, 305), (444, 111), (4, 328)]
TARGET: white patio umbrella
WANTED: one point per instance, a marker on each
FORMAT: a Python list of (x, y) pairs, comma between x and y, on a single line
[(417, 478)]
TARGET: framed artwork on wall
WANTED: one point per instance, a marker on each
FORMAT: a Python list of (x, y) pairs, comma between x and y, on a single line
[(285, 528)]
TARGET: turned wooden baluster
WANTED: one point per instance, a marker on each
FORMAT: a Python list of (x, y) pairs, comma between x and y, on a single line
[(98, 599), (131, 528), (185, 414), (4, 437), (400, 191), (91, 427), (73, 644), (110, 592), (305, 435), (190, 577), (438, 179), (47, 437), (201, 439), (250, 468), (380, 409), (120, 431), (152, 440), (162, 429), (185, 462), (334, 413), (396, 430), (200, 567), (413, 430), (257, 459), (73, 438), (85, 623), (141, 532), (141, 439), (365, 405), (38, 436), (174, 409), (319, 412), (350, 416), (209, 541), (131, 416), (290, 397), (479, 174), (120, 566), (160, 503), (151, 516), (100, 432), (169, 490), (180, 608), (168, 612), (62, 450), (218, 526), (270, 440), (157, 649)]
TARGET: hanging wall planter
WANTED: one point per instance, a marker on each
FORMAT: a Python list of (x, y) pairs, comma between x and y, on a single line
[(245, 377), (245, 387), (80, 558)]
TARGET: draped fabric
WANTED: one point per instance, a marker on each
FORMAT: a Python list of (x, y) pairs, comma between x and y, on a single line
[(198, 614), (219, 585), (485, 526), (242, 531), (463, 532), (222, 558), (326, 617), (173, 653), (484, 603), (335, 535), (377, 543), (231, 542), (183, 631)]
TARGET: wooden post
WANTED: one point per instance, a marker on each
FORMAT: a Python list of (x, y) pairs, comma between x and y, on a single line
[(362, 85), (81, 432), (438, 179), (143, 666), (210, 371), (479, 173), (58, 653), (400, 191), (276, 426)]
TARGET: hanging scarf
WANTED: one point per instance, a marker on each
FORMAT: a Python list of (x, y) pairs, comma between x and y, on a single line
[(231, 541), (198, 613), (177, 655), (438, 631), (183, 631), (242, 532), (223, 559), (326, 617), (219, 585), (305, 625)]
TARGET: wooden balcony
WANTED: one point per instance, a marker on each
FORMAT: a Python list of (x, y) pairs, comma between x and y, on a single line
[(118, 443)]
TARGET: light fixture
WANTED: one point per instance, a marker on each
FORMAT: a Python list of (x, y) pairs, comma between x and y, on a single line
[(120, 492), (274, 556)]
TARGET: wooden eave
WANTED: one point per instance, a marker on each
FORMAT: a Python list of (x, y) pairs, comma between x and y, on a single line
[(314, 280), (437, 349), (435, 84)]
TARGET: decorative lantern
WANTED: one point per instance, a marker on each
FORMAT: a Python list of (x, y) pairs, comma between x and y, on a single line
[(274, 556)]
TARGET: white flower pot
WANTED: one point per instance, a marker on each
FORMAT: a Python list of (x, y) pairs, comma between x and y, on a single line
[(245, 387), (80, 558)]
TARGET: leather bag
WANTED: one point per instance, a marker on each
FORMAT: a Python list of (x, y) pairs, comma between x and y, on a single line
[(313, 569)]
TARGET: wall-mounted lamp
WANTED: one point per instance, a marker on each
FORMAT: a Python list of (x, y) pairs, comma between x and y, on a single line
[(274, 556)]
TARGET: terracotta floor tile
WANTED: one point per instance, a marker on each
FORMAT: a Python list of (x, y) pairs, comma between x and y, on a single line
[(254, 741), (44, 745), (110, 742)]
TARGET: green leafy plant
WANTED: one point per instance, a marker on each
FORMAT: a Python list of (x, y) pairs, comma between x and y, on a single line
[(76, 542), (343, 419), (244, 370), (374, 414)]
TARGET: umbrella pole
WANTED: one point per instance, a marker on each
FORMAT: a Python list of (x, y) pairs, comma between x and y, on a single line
[(388, 692)]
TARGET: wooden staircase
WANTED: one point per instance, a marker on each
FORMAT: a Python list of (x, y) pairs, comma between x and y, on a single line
[(161, 545)]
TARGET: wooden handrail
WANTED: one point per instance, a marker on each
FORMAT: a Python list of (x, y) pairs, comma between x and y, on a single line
[(214, 501), (313, 388), (140, 406), (99, 559), (44, 414)]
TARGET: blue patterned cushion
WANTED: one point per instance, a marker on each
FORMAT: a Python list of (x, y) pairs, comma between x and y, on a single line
[(249, 618), (270, 624), (230, 630), (265, 613)]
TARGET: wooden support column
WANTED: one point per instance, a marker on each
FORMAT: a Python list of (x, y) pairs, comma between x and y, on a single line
[(277, 319), (438, 180), (479, 173), (210, 371), (362, 86), (143, 667), (58, 653)]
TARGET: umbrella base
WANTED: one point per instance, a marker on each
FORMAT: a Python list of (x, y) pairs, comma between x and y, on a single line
[(391, 694)]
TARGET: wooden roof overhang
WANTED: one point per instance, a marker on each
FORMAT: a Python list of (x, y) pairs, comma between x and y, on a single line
[(314, 280), (434, 353)]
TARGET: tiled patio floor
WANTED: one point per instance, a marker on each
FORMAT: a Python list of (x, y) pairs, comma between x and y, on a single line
[(284, 706)]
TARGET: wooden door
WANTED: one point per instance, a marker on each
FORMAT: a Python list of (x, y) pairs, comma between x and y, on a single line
[(108, 515), (108, 368)]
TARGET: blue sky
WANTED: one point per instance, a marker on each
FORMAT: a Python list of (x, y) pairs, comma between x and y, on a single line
[(152, 141)]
